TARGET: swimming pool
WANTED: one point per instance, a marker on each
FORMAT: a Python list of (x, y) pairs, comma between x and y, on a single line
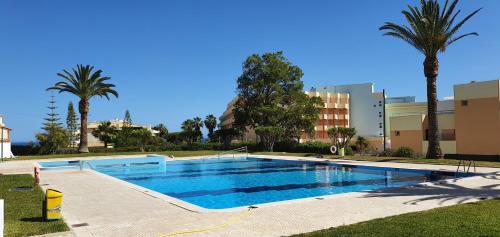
[(244, 181)]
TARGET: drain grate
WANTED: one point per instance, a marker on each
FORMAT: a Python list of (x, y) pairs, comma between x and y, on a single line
[(22, 188), (80, 225)]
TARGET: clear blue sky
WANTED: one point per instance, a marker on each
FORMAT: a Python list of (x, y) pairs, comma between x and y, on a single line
[(173, 60)]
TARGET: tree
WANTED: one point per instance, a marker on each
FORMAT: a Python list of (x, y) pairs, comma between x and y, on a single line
[(226, 135), (341, 136), (301, 116), (105, 132), (210, 123), (162, 129), (188, 133), (270, 95), (269, 135), (127, 119), (431, 30), (54, 136), (198, 124), (362, 144), (72, 125), (142, 136), (85, 84)]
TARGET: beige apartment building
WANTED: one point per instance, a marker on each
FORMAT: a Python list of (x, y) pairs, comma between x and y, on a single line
[(334, 113), (469, 124), (118, 123)]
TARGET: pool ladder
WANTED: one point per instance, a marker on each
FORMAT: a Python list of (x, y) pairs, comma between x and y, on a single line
[(234, 151), (462, 163), (83, 162)]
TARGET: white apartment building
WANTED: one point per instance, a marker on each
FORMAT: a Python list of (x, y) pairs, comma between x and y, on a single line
[(5, 142)]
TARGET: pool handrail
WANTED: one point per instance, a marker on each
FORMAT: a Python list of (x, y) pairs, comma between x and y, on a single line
[(82, 163), (233, 151)]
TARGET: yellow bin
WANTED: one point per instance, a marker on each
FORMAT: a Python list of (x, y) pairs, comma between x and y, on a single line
[(52, 205)]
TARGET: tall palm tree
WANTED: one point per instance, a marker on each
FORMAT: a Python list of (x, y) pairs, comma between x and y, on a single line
[(188, 125), (210, 123), (198, 124), (84, 83), (431, 30)]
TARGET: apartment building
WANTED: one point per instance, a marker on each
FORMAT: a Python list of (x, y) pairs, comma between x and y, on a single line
[(365, 110), (334, 113), (5, 142), (118, 123), (355, 105), (469, 124)]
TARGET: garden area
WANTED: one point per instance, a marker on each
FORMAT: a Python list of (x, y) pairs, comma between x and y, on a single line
[(23, 208), (470, 219)]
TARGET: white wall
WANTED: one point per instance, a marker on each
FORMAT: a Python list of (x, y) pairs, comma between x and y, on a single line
[(364, 107), (7, 152)]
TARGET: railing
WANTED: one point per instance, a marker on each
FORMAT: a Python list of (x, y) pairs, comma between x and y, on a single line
[(83, 162), (234, 151), (463, 163)]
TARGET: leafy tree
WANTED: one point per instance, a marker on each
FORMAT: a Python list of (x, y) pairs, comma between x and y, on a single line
[(301, 116), (105, 132), (226, 136), (362, 144), (142, 136), (175, 137), (269, 135), (341, 136), (54, 136), (84, 83), (210, 123), (431, 30), (72, 125), (270, 95), (162, 129)]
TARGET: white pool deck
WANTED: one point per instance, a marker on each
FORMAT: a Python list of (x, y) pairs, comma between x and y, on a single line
[(110, 207)]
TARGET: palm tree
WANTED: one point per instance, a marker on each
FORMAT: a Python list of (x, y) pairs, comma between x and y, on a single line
[(210, 123), (84, 83), (188, 125), (105, 132), (198, 124), (431, 31)]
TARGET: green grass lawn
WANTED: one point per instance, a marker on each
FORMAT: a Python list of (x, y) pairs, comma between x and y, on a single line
[(471, 219), (23, 209)]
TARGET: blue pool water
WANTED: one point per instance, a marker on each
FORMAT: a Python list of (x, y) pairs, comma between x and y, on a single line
[(234, 182)]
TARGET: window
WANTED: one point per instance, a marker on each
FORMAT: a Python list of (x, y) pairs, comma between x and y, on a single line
[(398, 133), (464, 102)]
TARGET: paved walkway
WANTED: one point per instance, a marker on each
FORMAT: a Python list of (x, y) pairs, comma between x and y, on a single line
[(104, 206)]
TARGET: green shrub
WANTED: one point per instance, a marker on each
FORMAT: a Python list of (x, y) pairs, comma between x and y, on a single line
[(349, 151), (404, 152), (387, 153)]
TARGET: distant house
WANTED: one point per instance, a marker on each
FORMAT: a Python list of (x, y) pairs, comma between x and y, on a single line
[(5, 151), (118, 123)]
